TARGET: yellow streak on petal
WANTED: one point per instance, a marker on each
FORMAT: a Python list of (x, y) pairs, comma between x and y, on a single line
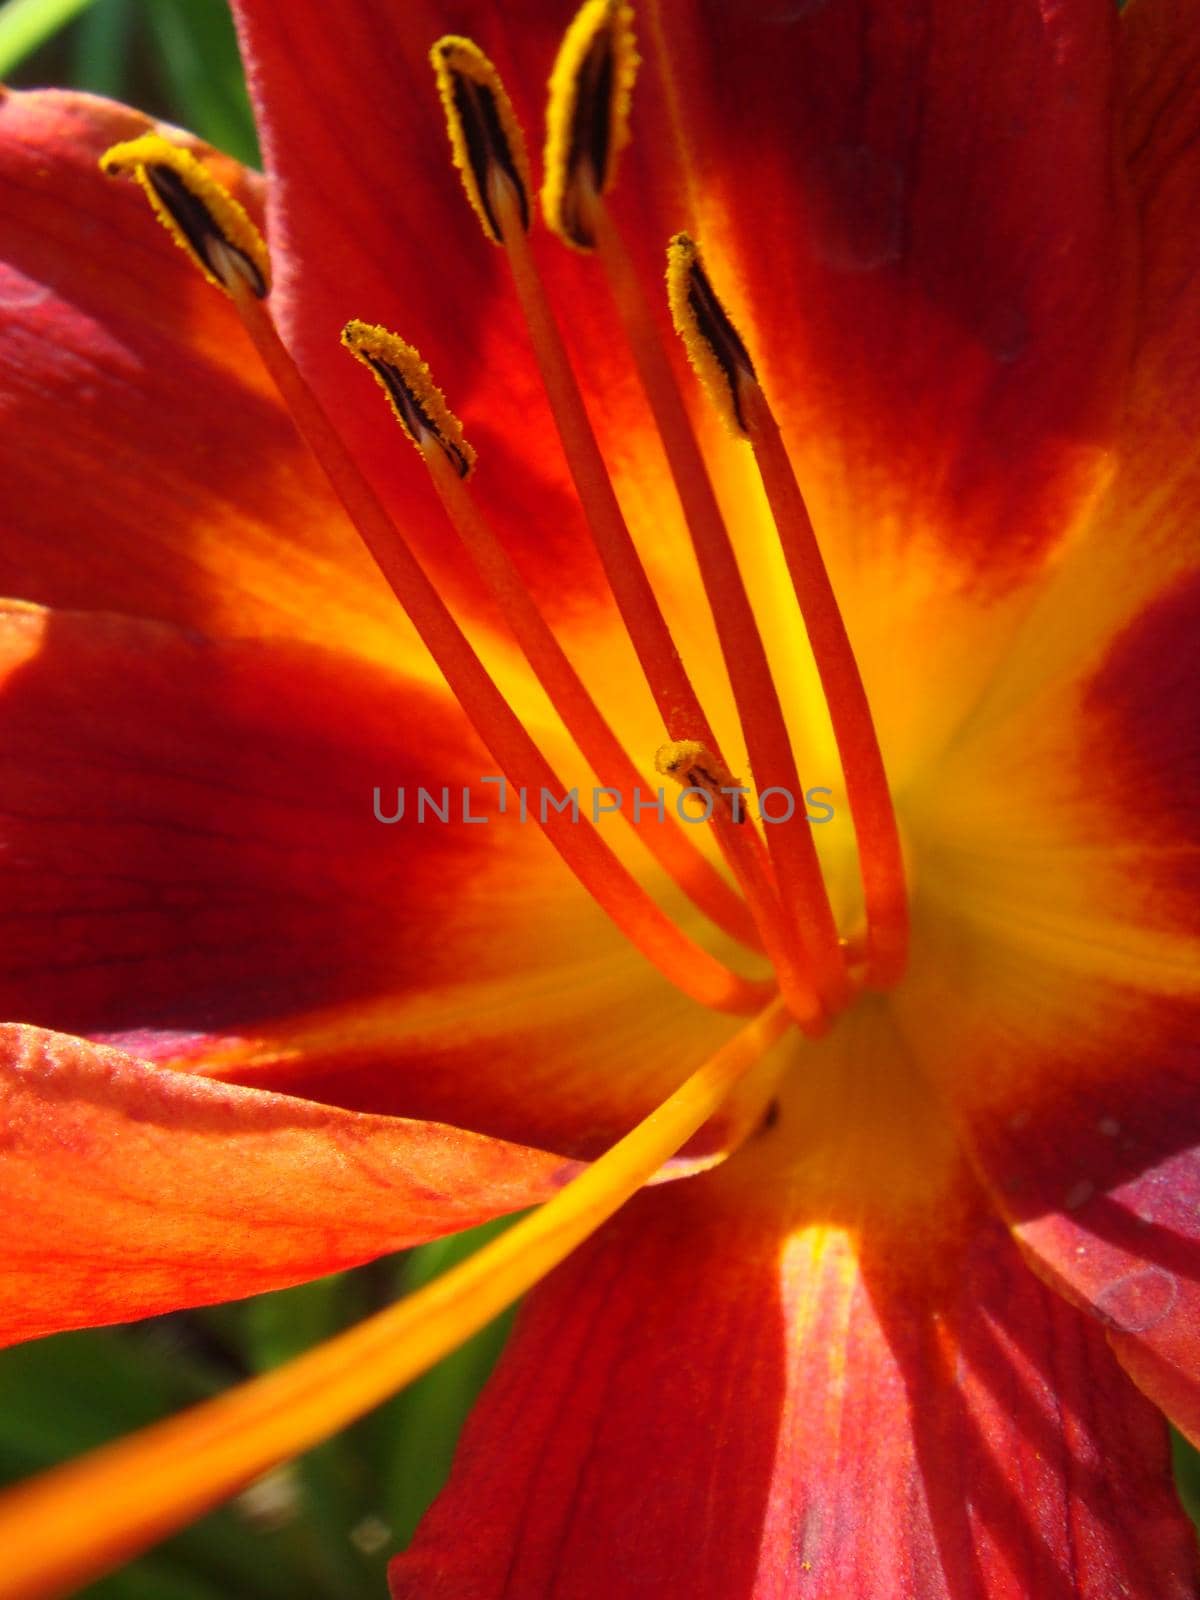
[(598, 25), (140, 158), (75, 1522), (460, 66)]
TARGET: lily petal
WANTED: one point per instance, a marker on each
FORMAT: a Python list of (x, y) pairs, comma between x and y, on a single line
[(141, 1190), (928, 165), (867, 1341), (1122, 1240), (1140, 542), (128, 379), (190, 836), (1073, 1070), (194, 871), (933, 262)]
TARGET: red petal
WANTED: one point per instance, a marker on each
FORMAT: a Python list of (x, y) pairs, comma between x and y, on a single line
[(723, 1399), (1054, 996), (148, 465), (1131, 569), (140, 1191), (915, 218), (1100, 1178), (193, 869), (920, 205), (190, 836)]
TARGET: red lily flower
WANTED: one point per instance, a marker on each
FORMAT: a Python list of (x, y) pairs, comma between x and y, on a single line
[(912, 1337)]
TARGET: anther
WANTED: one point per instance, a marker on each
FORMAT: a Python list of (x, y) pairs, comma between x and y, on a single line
[(418, 404), (203, 218), (695, 767), (485, 136), (714, 346), (587, 118)]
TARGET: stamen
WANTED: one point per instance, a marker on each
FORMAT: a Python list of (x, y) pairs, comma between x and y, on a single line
[(793, 854), (74, 1523), (691, 968), (662, 668), (201, 216), (691, 765), (587, 119), (684, 963), (440, 440), (664, 672), (730, 377), (485, 135)]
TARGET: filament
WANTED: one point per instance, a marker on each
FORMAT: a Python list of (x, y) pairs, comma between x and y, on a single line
[(687, 965)]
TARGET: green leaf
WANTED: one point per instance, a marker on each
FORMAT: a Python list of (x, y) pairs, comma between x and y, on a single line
[(62, 1396), (1186, 1461), (102, 48), (25, 25), (197, 54)]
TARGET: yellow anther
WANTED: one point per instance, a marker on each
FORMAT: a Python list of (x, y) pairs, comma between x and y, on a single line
[(203, 218), (714, 346), (693, 766), (419, 405), (587, 117), (485, 136)]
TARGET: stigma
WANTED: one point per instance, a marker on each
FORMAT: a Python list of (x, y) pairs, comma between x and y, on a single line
[(766, 888)]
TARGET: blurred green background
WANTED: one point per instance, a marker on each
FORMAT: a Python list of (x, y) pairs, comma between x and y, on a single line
[(177, 59), (323, 1528)]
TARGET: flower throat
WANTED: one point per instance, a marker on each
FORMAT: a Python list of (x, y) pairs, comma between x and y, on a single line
[(780, 905)]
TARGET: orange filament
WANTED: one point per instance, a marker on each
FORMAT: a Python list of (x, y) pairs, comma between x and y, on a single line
[(881, 860), (665, 674), (77, 1521), (688, 966), (772, 760), (669, 845)]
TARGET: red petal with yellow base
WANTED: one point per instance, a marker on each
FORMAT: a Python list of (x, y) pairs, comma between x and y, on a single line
[(940, 299), (1077, 1080), (195, 870), (148, 465)]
